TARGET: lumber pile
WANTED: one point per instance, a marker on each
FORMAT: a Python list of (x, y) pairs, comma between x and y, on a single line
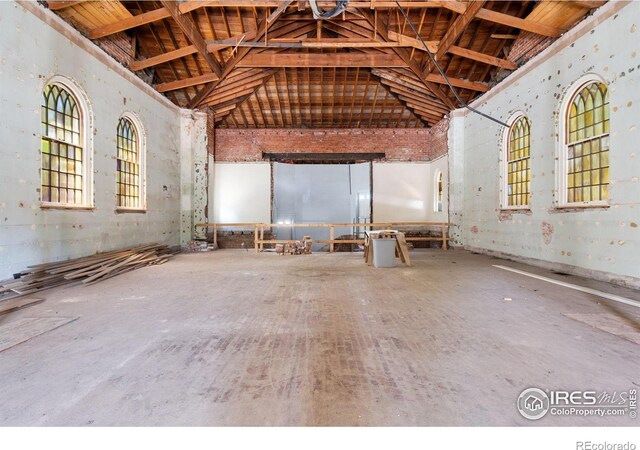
[(87, 270)]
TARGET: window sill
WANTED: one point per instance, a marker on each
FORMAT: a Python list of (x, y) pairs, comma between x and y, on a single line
[(131, 210), (67, 207), (526, 210), (580, 207)]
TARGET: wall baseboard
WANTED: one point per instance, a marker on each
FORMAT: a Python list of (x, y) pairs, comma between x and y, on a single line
[(619, 280)]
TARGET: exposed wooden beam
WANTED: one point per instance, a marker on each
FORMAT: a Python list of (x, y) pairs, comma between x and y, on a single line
[(55, 6), (278, 11), (192, 33), (321, 60), (187, 82), (457, 82), (336, 43), (455, 50), (589, 4), (458, 27), (128, 23), (163, 58), (354, 4), (483, 58), (522, 24), (262, 28), (413, 42), (382, 29)]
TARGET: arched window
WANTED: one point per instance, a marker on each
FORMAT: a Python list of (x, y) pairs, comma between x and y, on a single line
[(438, 192), (586, 156), (518, 160), (62, 148), (129, 188)]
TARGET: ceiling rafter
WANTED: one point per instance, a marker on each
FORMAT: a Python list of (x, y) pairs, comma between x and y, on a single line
[(270, 63), (191, 32)]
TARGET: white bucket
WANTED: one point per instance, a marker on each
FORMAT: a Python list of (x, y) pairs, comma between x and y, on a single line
[(384, 252)]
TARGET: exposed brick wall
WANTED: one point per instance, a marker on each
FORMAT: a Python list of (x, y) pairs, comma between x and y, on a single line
[(528, 45), (420, 144), (117, 46)]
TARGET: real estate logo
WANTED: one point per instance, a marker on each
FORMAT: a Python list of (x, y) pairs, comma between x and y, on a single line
[(533, 403)]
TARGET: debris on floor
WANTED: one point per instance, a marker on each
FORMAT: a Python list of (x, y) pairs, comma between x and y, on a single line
[(88, 269), (15, 303), (303, 247), (201, 246)]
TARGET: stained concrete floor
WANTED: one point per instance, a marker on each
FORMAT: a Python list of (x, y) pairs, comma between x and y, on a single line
[(236, 338)]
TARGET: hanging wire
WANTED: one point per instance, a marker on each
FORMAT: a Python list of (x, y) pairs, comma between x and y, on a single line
[(433, 60)]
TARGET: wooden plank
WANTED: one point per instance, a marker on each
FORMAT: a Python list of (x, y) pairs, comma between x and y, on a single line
[(163, 58), (321, 60), (128, 23), (458, 27), (278, 11), (56, 6), (230, 65), (14, 304), (187, 82), (413, 42), (192, 33), (522, 24), (464, 84), (483, 58), (403, 248)]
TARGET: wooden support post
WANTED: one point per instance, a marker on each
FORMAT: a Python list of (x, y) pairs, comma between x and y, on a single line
[(215, 235), (255, 237), (332, 236), (261, 237), (444, 237)]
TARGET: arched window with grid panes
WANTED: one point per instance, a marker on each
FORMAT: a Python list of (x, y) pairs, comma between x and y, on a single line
[(518, 163), (129, 173), (63, 152), (586, 146)]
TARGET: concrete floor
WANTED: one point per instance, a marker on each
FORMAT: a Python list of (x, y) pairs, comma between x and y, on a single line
[(235, 338)]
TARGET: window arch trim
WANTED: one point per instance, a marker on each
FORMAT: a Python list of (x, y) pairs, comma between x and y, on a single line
[(85, 141), (141, 185), (562, 200), (505, 151)]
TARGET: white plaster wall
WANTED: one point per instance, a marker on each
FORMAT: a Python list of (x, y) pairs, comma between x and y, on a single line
[(404, 192), (604, 242), (31, 52), (241, 193)]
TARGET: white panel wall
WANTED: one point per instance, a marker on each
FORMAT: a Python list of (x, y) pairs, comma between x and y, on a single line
[(241, 193), (405, 192), (31, 52), (603, 243)]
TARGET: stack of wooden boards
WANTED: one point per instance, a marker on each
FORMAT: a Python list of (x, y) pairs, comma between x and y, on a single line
[(402, 250), (88, 270)]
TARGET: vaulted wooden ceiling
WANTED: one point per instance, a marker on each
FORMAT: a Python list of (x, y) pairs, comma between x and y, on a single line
[(269, 63)]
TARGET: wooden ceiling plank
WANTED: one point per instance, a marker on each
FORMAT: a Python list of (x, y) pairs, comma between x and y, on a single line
[(383, 30), (458, 27), (482, 57), (128, 23), (163, 58), (56, 6), (187, 82), (320, 60), (229, 66), (192, 33)]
